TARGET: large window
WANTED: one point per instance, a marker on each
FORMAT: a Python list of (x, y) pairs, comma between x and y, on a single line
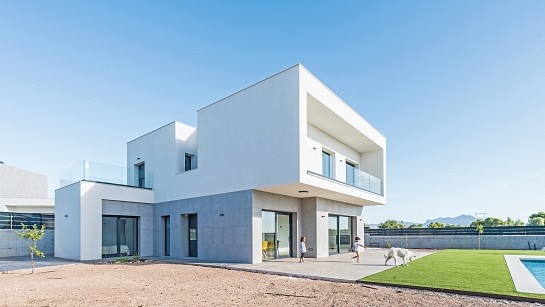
[(119, 236), (326, 165)]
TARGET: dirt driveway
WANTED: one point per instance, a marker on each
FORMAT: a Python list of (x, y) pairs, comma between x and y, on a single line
[(163, 284)]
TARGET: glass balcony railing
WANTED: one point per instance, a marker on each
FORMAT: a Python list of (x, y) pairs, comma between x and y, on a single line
[(365, 181), (99, 172), (361, 180)]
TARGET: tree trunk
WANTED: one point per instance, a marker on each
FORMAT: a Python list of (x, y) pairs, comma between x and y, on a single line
[(32, 259)]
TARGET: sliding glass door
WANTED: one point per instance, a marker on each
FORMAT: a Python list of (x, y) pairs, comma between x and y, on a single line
[(339, 234), (275, 235), (119, 236)]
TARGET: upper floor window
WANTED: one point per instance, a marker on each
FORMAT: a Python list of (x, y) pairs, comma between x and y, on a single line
[(350, 173), (326, 165), (141, 168), (188, 159)]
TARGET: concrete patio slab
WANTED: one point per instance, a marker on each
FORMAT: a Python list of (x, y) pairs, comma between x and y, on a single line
[(337, 267), (23, 262)]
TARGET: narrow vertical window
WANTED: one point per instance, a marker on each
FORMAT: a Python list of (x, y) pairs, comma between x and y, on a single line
[(141, 175), (187, 162), (326, 164)]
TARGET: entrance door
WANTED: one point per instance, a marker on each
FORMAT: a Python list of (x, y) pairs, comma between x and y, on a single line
[(276, 235), (339, 234), (192, 235)]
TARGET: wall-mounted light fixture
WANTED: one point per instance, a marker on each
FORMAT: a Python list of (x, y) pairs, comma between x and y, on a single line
[(314, 148), (323, 215), (221, 214), (66, 215), (361, 220), (185, 215), (137, 158), (341, 160), (303, 191)]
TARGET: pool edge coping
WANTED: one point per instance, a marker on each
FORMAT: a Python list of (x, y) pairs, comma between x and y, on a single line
[(523, 279)]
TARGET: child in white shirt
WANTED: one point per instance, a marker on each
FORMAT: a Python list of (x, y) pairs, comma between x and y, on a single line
[(302, 249), (356, 248)]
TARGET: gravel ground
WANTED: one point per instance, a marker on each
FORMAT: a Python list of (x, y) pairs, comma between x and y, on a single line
[(163, 284)]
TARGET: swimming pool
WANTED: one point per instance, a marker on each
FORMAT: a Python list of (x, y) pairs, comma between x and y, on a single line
[(537, 268), (527, 272)]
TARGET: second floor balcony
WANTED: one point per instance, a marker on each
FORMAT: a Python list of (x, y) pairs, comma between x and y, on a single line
[(105, 173)]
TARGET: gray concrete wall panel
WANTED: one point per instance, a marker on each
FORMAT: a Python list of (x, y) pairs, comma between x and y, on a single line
[(12, 246)]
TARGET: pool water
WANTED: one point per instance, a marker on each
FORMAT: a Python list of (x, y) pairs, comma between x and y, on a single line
[(537, 268)]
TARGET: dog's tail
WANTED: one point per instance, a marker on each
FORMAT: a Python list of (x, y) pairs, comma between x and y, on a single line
[(386, 256)]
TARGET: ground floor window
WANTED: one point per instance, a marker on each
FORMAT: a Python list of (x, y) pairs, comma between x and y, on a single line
[(193, 243), (275, 235), (339, 234), (119, 236), (167, 235)]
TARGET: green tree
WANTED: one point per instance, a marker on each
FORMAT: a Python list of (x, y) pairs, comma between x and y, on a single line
[(436, 225), (539, 214), (536, 221), (479, 228), (511, 222), (476, 223), (390, 224), (519, 223), (493, 222), (31, 237), (416, 226)]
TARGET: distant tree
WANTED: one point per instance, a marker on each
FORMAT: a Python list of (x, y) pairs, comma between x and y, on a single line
[(453, 226), (539, 214), (31, 237), (436, 225), (390, 224), (493, 222), (366, 225), (511, 222), (536, 221), (416, 226), (519, 223), (476, 223)]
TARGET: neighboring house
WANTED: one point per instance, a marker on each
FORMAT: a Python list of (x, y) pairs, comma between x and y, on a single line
[(22, 191), (281, 159)]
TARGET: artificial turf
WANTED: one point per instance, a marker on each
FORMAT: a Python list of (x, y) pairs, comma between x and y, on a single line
[(467, 270)]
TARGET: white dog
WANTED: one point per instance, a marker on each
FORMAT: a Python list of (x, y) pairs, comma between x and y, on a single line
[(402, 253)]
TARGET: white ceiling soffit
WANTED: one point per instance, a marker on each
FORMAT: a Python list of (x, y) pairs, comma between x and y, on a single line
[(329, 122)]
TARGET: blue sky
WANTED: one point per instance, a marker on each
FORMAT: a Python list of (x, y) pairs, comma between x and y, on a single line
[(457, 87)]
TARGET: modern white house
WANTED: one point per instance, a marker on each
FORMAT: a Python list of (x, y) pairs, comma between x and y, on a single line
[(23, 191), (278, 160)]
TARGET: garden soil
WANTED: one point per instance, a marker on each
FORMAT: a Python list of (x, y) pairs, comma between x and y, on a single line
[(164, 284)]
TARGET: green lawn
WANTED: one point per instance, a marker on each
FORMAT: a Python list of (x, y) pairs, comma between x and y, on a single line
[(468, 270)]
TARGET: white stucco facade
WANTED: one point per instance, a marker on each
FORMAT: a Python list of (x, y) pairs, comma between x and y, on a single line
[(259, 150)]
